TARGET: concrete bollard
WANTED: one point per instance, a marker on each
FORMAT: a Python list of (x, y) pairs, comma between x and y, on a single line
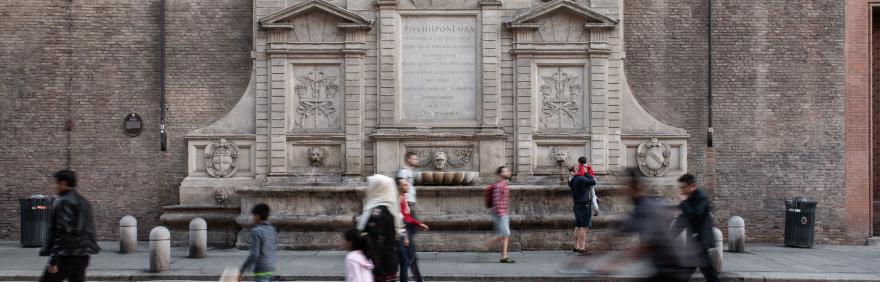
[(736, 234), (716, 254), (160, 249), (128, 234), (198, 238)]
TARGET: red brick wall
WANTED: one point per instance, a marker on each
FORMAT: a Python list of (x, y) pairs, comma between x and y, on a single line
[(779, 101), (108, 63)]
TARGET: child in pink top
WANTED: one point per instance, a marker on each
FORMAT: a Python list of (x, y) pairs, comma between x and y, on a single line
[(358, 267)]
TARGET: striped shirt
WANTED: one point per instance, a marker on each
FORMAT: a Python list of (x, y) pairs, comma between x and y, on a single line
[(500, 195)]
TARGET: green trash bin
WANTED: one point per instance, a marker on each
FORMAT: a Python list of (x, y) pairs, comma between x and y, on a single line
[(800, 222)]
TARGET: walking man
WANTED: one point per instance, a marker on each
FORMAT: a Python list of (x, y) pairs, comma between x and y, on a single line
[(650, 220), (262, 256), (410, 160), (500, 197), (696, 218), (71, 237)]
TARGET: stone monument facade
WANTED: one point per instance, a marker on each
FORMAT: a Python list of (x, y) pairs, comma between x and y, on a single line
[(343, 89)]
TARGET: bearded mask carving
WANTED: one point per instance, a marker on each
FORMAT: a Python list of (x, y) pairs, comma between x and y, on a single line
[(440, 160)]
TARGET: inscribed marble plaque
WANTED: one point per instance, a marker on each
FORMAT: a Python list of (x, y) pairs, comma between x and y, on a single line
[(439, 64)]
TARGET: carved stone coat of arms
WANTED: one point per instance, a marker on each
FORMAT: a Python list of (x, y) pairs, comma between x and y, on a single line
[(221, 159), (653, 157)]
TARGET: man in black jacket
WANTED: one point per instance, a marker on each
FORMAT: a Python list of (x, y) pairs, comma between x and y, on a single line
[(71, 233), (696, 218), (584, 203)]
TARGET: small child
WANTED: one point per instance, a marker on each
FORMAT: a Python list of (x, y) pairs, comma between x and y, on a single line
[(262, 253), (583, 168), (358, 267)]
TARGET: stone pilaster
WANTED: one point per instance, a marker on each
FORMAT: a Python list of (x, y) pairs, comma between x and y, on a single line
[(388, 39), (278, 68), (353, 67), (490, 21), (599, 111), (524, 117), (614, 108), (261, 65)]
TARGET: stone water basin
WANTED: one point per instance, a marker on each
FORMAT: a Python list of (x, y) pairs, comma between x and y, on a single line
[(446, 178)]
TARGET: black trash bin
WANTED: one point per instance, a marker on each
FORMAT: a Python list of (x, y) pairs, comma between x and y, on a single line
[(35, 215), (800, 219)]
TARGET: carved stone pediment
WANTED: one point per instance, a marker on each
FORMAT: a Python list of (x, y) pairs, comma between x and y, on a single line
[(590, 17), (282, 18)]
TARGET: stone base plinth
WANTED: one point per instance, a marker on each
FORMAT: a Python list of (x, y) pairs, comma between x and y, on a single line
[(313, 217), (222, 228)]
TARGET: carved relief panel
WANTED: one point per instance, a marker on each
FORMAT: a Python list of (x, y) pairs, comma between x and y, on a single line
[(556, 156), (454, 158), (315, 103), (315, 157), (561, 99), (656, 157)]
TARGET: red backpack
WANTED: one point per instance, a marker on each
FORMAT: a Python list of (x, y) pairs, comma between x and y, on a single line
[(488, 197)]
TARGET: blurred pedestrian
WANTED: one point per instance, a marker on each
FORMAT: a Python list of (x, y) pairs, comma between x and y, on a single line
[(358, 267), (71, 234), (262, 255), (382, 222), (696, 218), (500, 197), (407, 246), (650, 221)]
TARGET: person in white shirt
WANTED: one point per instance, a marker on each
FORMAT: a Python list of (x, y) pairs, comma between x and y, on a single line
[(410, 160)]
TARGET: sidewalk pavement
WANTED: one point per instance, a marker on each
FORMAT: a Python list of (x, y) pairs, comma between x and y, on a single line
[(760, 263)]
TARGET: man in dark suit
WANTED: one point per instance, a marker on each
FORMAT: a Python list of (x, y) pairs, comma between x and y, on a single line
[(696, 218)]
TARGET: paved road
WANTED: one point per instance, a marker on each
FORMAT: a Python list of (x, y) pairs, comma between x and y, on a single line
[(761, 263)]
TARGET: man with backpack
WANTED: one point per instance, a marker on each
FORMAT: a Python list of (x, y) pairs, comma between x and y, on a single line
[(497, 197), (584, 198)]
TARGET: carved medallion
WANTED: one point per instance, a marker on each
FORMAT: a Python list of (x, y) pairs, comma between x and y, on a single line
[(444, 158), (221, 158), (560, 92), (316, 156), (653, 157), (558, 156), (316, 92)]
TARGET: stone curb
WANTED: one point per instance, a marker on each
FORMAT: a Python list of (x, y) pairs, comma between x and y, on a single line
[(27, 275)]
